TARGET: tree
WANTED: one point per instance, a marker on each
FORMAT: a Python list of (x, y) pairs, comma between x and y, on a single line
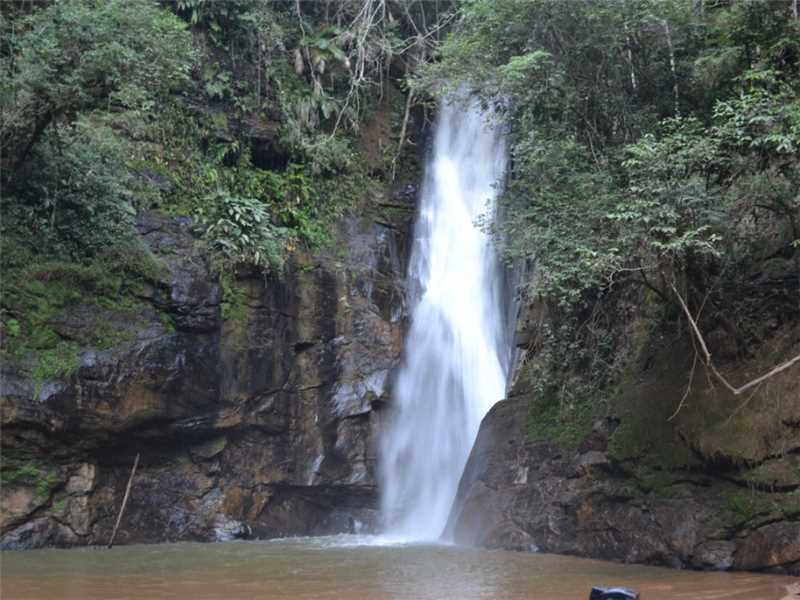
[(77, 56)]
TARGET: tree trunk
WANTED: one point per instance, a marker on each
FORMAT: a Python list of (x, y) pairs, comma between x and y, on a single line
[(41, 125), (629, 54), (409, 101), (673, 68)]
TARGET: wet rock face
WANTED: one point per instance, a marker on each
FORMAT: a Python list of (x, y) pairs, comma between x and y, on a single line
[(521, 494), (255, 425)]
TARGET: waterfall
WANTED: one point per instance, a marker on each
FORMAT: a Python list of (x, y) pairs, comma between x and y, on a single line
[(456, 354)]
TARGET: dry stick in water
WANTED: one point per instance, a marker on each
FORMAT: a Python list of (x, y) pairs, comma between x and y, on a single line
[(124, 501), (707, 356)]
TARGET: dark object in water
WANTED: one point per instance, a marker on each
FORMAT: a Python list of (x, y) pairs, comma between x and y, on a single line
[(613, 594)]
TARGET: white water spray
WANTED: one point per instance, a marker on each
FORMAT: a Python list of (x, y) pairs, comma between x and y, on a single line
[(456, 355)]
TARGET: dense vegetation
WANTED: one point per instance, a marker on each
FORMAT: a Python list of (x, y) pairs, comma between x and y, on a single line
[(639, 128), (243, 115), (655, 148)]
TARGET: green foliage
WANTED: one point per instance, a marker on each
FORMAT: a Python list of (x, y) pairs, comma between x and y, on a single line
[(551, 200), (571, 376), (92, 119), (239, 229), (306, 113), (58, 506), (745, 506), (27, 471), (79, 72), (169, 323), (564, 424), (520, 69), (324, 47), (749, 507), (76, 56), (688, 185), (79, 202), (248, 214), (668, 211)]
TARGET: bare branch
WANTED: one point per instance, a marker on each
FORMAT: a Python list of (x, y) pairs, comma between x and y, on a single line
[(710, 365), (124, 502)]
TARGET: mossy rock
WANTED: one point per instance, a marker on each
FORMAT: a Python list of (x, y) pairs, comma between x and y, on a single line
[(58, 507), (52, 308), (781, 473), (234, 298), (43, 478), (565, 426)]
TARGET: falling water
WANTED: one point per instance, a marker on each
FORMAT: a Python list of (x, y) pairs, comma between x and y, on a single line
[(456, 354)]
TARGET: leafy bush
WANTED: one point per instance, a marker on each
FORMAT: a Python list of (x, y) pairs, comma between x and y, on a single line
[(253, 215), (240, 230), (553, 204)]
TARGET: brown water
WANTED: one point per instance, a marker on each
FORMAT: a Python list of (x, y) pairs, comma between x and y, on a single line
[(342, 567)]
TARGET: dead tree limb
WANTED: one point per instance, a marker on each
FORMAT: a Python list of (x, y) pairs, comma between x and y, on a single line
[(736, 391), (124, 502)]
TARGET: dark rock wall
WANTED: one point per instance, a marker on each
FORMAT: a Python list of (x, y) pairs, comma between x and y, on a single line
[(522, 494), (259, 424)]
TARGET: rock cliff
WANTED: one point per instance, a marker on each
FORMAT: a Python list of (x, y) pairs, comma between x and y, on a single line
[(714, 484), (252, 401)]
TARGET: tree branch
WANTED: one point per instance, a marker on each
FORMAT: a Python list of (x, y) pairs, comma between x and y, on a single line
[(736, 391)]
